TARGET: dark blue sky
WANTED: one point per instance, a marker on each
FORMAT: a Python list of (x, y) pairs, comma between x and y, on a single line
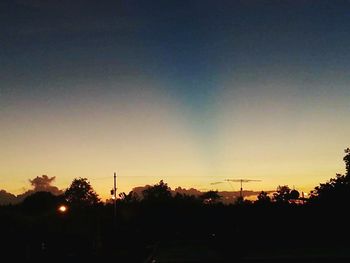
[(189, 44)]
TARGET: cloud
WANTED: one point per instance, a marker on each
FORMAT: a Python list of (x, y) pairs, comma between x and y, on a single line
[(7, 198), (43, 183), (191, 191), (40, 184)]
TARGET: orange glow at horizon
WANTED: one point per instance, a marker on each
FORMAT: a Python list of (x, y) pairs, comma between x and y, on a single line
[(152, 138)]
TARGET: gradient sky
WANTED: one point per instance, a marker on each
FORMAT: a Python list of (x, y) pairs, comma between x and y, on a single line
[(191, 92)]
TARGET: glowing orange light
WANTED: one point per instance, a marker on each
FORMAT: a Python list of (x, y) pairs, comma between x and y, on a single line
[(62, 209)]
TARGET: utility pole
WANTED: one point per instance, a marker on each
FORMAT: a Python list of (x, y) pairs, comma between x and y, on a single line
[(115, 196), (241, 192)]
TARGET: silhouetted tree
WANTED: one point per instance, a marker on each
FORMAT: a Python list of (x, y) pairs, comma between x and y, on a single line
[(131, 197), (80, 193), (210, 197), (239, 200), (185, 198), (294, 194), (157, 193), (336, 190), (263, 198), (282, 194), (40, 202)]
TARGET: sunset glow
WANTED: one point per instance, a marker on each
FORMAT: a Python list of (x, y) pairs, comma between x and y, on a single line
[(229, 97)]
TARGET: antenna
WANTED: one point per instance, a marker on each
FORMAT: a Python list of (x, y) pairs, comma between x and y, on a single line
[(214, 183), (241, 181)]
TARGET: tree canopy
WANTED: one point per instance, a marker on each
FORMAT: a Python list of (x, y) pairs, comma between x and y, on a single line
[(131, 197), (40, 202), (81, 193), (282, 194), (210, 197), (157, 193), (337, 189), (263, 198)]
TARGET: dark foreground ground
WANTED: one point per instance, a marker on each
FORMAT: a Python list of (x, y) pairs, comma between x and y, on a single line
[(203, 251), (177, 251), (177, 234)]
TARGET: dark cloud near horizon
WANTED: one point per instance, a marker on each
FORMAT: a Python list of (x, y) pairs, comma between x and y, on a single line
[(7, 198), (40, 184), (44, 183)]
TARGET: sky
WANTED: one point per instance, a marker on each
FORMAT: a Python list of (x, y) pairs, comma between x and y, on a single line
[(191, 92)]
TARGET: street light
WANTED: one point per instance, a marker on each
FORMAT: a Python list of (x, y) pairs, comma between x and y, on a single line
[(62, 209)]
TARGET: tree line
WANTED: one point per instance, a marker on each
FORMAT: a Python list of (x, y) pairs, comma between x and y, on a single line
[(89, 228), (80, 194)]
